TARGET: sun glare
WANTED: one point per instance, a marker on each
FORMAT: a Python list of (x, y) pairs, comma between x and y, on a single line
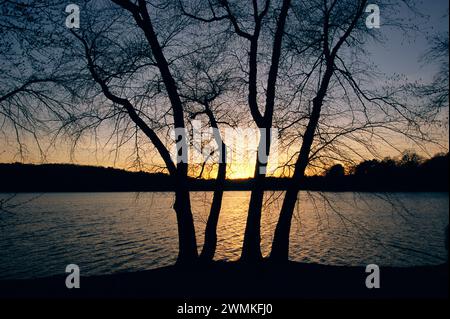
[(238, 171)]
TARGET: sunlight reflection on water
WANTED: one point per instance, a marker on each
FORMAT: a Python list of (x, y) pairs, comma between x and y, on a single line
[(112, 232)]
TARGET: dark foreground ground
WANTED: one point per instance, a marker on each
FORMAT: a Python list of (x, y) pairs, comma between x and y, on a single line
[(235, 280)]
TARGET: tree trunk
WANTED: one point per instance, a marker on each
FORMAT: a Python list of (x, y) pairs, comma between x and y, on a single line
[(210, 244), (280, 244), (251, 249), (187, 253)]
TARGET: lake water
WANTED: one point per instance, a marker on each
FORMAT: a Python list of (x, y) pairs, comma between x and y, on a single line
[(116, 232)]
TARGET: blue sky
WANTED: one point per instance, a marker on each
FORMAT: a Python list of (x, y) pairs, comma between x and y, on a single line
[(401, 52)]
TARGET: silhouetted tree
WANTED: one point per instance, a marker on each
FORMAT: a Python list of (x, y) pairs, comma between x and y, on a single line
[(29, 79), (117, 66), (202, 88), (341, 113), (436, 92), (335, 171), (249, 23)]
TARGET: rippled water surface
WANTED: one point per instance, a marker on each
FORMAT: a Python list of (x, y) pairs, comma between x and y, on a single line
[(114, 232)]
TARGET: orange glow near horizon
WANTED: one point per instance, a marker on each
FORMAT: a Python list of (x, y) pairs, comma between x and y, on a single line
[(94, 155), (240, 171)]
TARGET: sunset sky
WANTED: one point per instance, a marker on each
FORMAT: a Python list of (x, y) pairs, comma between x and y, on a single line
[(399, 54)]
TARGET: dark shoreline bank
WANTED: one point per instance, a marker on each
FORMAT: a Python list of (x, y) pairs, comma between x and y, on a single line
[(233, 280), (45, 178)]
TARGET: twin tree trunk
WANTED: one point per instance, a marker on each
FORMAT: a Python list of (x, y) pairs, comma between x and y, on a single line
[(251, 250), (186, 230)]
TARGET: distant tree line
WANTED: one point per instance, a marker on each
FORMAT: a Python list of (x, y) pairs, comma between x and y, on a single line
[(408, 173)]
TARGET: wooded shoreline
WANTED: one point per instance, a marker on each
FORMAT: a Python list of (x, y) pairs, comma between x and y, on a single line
[(18, 178)]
